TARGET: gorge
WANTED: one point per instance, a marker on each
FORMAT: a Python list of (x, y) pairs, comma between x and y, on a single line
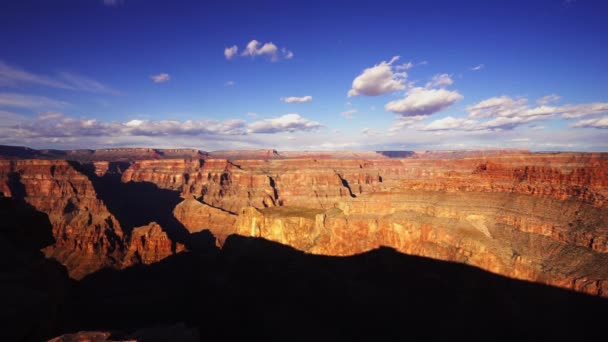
[(518, 234)]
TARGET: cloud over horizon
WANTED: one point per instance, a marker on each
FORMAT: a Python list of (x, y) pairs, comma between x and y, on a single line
[(286, 123)]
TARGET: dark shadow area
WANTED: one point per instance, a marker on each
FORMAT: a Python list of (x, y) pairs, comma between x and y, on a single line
[(254, 289), (17, 188), (33, 289), (396, 154), (136, 204), (346, 185)]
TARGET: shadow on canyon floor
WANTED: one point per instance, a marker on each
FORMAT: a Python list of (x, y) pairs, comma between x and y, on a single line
[(257, 289)]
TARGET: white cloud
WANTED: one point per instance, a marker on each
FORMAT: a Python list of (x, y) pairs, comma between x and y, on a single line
[(402, 122), (449, 123), (57, 125), (440, 80), (594, 123), (421, 101), (349, 114), (405, 66), (254, 48), (14, 76), (478, 67), (252, 114), (160, 78), (584, 109), (548, 99), (497, 106), (14, 100), (297, 99), (285, 123), (230, 83), (377, 80), (230, 52), (509, 113), (286, 53)]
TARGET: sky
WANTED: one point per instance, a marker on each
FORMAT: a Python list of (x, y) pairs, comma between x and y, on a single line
[(304, 75)]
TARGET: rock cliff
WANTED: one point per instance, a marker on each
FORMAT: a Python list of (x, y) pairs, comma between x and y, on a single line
[(538, 217), (492, 211)]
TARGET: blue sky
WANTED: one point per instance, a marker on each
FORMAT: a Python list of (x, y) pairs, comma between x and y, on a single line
[(305, 75)]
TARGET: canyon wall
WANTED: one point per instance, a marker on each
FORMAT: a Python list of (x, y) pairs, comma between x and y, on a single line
[(537, 217)]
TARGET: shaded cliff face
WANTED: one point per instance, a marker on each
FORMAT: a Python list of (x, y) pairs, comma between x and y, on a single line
[(87, 236), (539, 217)]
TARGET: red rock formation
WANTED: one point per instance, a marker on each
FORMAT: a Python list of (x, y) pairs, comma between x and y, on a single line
[(540, 217), (87, 236), (149, 244)]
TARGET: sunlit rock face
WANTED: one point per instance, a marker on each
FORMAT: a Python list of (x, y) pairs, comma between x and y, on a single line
[(538, 217)]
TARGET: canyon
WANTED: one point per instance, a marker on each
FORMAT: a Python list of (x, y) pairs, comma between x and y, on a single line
[(541, 218)]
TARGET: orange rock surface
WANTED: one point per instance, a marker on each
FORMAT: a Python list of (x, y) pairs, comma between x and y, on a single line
[(535, 216)]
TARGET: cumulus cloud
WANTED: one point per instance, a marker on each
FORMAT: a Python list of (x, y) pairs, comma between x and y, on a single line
[(440, 80), (160, 78), (349, 114), (449, 122), (297, 99), (377, 80), (478, 67), (255, 48), (57, 125), (594, 123), (230, 52), (15, 100), (285, 123), (15, 76), (422, 101)]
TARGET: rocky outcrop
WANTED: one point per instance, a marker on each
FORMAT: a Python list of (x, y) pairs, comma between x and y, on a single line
[(149, 244), (197, 216)]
